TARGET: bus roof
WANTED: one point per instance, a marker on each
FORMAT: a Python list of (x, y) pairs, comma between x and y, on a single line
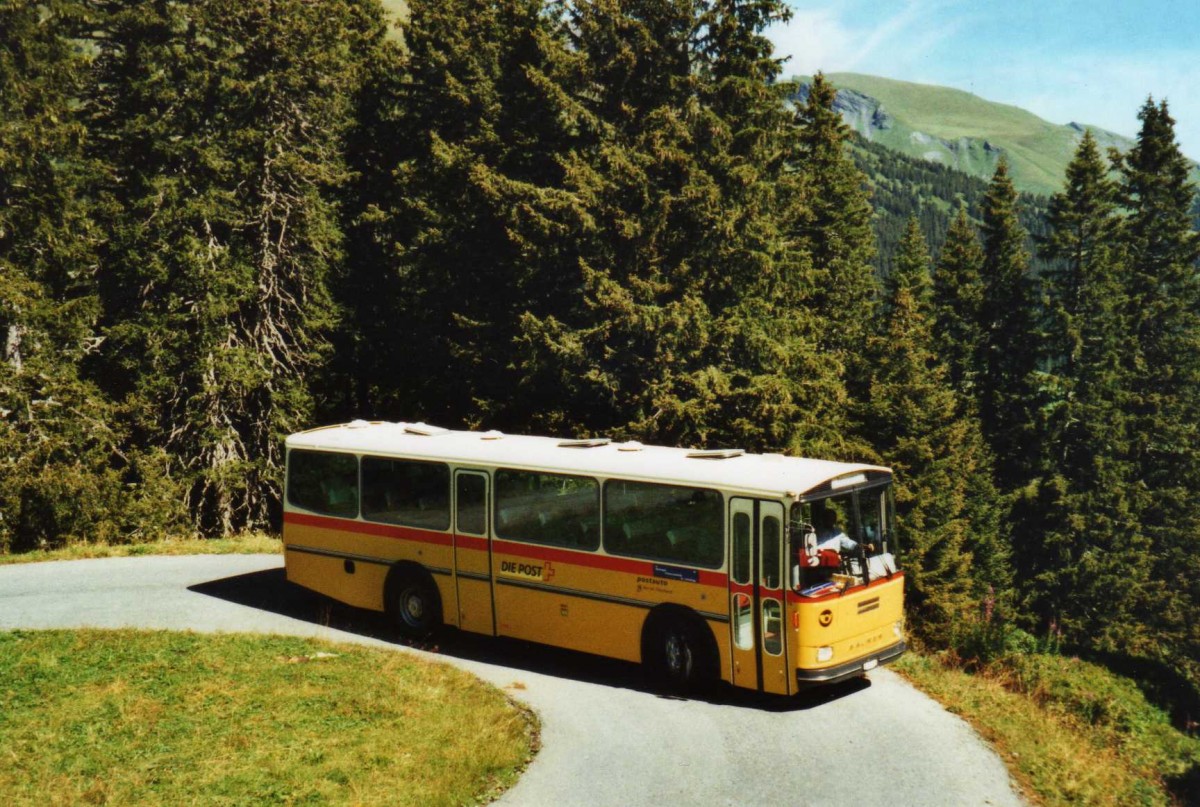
[(771, 475)]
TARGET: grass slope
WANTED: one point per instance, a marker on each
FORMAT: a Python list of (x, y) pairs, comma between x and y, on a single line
[(125, 717), (952, 126), (1070, 732)]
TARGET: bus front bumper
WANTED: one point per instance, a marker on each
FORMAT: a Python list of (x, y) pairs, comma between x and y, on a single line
[(851, 669)]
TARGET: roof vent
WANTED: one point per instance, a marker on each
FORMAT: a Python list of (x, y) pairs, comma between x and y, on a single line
[(716, 454), (632, 445), (592, 442), (424, 429), (358, 424), (491, 435), (847, 481)]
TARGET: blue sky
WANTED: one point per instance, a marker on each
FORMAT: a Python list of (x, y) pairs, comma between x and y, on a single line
[(1064, 60)]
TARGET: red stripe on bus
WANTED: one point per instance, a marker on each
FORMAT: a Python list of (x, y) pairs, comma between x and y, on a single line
[(606, 562), (369, 528), (553, 554)]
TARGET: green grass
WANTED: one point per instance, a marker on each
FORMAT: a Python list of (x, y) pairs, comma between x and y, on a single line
[(1038, 151), (248, 543), (1070, 732), (126, 717)]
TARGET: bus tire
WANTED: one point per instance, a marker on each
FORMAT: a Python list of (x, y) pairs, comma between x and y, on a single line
[(678, 651), (414, 602)]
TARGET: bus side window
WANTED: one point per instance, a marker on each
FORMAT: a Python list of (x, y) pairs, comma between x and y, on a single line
[(406, 492), (323, 482), (672, 523), (554, 509)]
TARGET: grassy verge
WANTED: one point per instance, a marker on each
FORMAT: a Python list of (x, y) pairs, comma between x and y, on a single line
[(249, 543), (126, 717), (1070, 732)]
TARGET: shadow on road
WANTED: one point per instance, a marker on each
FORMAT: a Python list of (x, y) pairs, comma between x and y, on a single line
[(270, 591)]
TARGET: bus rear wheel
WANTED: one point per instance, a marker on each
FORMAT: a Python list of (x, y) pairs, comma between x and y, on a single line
[(675, 654), (416, 606)]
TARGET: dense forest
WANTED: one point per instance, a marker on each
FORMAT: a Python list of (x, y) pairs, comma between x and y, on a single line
[(222, 221)]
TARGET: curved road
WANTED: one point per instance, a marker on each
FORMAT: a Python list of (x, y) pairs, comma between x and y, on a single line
[(606, 739)]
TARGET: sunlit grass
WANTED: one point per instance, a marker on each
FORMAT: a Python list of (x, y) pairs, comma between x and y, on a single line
[(1070, 732), (247, 543), (126, 717)]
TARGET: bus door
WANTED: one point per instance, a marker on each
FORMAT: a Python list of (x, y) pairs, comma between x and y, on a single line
[(473, 553), (756, 596)]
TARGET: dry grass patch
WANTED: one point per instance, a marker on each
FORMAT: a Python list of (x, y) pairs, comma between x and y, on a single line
[(127, 717), (1070, 732), (253, 543)]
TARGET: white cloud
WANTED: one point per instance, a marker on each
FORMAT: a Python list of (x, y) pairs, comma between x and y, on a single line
[(824, 39), (1103, 90)]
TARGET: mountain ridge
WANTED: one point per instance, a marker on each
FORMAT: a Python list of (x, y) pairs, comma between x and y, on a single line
[(961, 130)]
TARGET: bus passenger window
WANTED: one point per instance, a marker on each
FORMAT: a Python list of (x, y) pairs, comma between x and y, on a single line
[(323, 482), (664, 522), (406, 492), (553, 509)]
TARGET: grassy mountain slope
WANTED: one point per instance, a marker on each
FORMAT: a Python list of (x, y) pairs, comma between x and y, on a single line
[(962, 130)]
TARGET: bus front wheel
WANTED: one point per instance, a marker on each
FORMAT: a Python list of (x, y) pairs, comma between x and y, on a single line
[(416, 606)]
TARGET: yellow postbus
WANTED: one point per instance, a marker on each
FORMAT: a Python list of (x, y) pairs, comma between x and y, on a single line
[(769, 572)]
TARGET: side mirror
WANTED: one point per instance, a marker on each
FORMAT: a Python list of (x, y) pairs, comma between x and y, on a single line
[(810, 541)]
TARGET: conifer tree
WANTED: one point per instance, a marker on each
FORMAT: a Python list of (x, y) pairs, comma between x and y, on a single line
[(477, 229), (1005, 386), (689, 328), (832, 225), (65, 473), (1164, 317), (1083, 560), (944, 499), (958, 301), (222, 123)]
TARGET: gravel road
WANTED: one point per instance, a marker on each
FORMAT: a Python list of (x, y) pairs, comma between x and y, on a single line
[(607, 739)]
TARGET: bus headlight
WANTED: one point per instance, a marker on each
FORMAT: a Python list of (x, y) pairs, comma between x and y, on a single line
[(824, 653), (899, 628)]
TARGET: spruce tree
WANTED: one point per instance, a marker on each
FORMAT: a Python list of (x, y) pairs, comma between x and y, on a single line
[(690, 325), (222, 123), (1006, 385), (944, 498), (1164, 318), (474, 229), (958, 301), (832, 225), (65, 471), (1083, 560)]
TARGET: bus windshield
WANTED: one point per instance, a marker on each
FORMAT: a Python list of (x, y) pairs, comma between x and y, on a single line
[(841, 541)]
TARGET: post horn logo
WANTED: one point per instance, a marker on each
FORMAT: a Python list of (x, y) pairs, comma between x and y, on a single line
[(826, 618)]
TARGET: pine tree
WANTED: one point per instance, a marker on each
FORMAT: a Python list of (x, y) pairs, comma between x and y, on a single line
[(222, 123), (958, 301), (1006, 387), (1164, 315), (944, 499)]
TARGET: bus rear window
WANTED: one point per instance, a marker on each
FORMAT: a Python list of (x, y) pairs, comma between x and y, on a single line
[(406, 492), (323, 483), (664, 522), (550, 509)]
